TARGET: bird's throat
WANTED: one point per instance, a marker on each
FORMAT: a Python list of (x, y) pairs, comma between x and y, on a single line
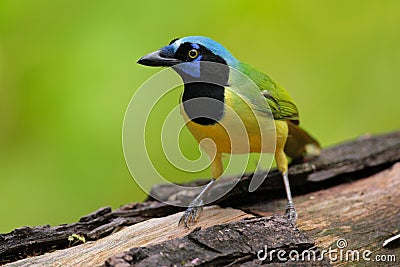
[(204, 102)]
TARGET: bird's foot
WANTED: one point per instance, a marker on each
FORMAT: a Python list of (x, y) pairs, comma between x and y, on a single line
[(192, 213), (291, 213)]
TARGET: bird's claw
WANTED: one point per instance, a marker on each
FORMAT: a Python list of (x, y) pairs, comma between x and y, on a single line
[(191, 215), (291, 213)]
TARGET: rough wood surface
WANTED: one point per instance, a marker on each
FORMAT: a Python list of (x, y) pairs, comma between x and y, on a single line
[(343, 163), (362, 214), (31, 241), (233, 244), (146, 233)]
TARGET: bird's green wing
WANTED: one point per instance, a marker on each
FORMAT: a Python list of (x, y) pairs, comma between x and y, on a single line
[(281, 104)]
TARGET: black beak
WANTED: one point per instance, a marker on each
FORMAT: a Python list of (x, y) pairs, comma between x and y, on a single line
[(157, 59)]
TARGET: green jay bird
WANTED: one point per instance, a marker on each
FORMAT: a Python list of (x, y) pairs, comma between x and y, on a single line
[(207, 119)]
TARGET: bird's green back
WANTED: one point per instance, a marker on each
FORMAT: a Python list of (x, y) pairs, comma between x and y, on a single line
[(280, 102)]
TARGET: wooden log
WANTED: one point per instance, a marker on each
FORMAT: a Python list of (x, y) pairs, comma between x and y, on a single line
[(353, 218), (363, 216), (31, 241), (145, 233), (364, 213), (343, 163), (243, 243)]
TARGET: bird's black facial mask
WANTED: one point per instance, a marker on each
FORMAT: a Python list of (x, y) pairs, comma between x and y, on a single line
[(194, 57)]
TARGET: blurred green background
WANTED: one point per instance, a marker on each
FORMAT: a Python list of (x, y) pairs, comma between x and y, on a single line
[(68, 71)]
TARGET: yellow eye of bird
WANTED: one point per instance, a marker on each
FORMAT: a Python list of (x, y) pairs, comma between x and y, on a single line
[(193, 53)]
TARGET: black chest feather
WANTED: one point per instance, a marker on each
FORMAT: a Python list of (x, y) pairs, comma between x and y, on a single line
[(203, 102)]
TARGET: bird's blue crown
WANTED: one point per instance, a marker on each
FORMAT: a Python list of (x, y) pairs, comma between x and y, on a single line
[(215, 47)]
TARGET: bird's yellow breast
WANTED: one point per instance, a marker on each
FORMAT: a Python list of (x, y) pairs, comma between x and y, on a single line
[(241, 130)]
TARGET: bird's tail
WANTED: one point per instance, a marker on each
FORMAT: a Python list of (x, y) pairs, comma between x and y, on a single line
[(300, 143)]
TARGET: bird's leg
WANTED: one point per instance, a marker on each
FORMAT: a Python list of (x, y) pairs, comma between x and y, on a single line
[(195, 207), (290, 210), (282, 163)]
